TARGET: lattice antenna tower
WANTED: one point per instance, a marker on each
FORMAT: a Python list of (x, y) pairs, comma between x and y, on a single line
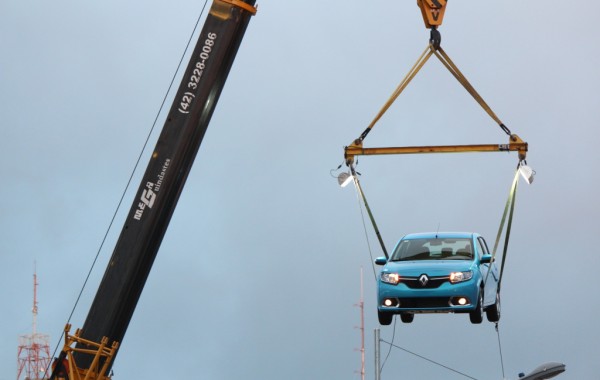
[(361, 305), (33, 357)]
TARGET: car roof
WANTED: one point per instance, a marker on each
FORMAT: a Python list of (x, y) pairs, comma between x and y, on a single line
[(440, 235)]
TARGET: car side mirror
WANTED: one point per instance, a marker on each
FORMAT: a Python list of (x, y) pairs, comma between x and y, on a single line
[(380, 261), (486, 259)]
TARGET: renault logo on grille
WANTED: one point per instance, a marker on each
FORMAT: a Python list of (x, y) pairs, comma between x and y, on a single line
[(423, 279)]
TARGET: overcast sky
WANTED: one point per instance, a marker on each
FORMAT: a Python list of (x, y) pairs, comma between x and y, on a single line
[(259, 272)]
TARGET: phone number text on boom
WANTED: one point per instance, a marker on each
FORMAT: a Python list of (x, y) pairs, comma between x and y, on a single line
[(192, 85)]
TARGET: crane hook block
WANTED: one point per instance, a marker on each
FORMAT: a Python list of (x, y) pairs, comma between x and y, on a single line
[(432, 11)]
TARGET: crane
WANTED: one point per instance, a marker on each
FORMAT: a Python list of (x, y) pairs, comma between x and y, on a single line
[(90, 352)]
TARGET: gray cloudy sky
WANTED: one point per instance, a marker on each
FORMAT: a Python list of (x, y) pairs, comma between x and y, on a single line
[(260, 269)]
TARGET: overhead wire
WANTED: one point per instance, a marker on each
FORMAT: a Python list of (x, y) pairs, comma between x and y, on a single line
[(131, 177), (429, 360)]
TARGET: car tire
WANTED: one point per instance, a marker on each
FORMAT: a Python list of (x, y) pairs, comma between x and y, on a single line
[(385, 319), (476, 316), (493, 312), (407, 317)]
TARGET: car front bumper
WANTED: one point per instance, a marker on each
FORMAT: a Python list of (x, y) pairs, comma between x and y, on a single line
[(444, 299)]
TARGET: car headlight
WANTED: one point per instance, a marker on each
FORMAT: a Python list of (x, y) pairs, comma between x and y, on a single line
[(460, 276), (390, 278)]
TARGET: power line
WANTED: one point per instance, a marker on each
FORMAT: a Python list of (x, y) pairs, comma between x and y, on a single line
[(429, 360)]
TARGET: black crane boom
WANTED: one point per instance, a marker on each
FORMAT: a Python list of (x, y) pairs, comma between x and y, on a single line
[(165, 176)]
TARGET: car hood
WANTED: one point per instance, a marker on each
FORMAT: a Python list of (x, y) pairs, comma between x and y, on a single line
[(431, 268)]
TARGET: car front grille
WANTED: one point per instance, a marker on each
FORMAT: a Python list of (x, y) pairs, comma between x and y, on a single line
[(432, 283)]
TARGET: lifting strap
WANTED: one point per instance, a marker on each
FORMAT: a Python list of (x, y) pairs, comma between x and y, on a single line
[(409, 76), (445, 59), (364, 199), (508, 211), (435, 49), (449, 64)]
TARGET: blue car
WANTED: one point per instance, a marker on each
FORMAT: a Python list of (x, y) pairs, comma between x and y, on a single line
[(438, 273)]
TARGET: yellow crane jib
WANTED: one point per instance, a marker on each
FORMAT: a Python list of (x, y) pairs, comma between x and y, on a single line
[(515, 144)]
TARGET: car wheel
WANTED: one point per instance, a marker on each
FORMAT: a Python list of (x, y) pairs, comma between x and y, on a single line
[(493, 312), (385, 318), (407, 317), (476, 315)]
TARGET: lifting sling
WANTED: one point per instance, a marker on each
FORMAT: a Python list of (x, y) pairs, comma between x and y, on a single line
[(508, 211), (515, 143), (449, 64)]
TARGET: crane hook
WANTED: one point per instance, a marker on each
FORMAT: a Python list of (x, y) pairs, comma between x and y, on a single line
[(435, 38)]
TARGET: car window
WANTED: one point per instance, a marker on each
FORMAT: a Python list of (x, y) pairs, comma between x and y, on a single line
[(433, 249)]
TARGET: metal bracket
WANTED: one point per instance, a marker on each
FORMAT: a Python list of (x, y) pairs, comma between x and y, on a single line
[(102, 353)]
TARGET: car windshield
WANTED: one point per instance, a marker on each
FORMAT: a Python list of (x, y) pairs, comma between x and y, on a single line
[(433, 249)]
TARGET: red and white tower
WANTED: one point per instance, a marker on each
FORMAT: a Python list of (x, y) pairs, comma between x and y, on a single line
[(33, 358)]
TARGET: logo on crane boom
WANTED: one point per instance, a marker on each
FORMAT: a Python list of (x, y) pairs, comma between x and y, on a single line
[(149, 194)]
